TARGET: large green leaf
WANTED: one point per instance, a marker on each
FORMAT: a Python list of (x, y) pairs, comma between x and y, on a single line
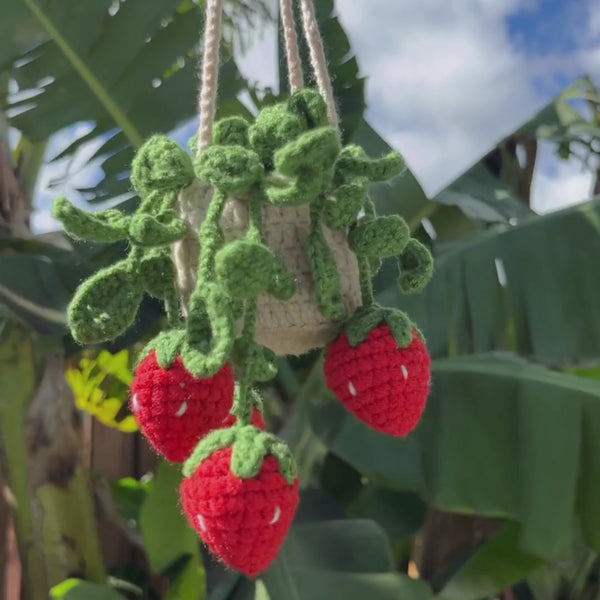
[(36, 282), (483, 197), (341, 545), (522, 288), (400, 513), (491, 568), (326, 585), (499, 438), (132, 72), (348, 559), (76, 589), (564, 122), (166, 534)]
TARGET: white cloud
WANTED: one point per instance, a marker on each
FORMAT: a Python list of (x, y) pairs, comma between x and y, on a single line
[(259, 63), (594, 19), (444, 82)]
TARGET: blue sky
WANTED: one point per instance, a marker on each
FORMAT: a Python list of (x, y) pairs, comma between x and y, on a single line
[(448, 78), (549, 26)]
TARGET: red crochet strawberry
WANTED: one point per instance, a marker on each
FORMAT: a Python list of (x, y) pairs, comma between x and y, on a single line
[(174, 409), (382, 385), (243, 521)]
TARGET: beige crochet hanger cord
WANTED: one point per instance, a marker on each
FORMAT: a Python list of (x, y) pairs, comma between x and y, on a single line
[(295, 326)]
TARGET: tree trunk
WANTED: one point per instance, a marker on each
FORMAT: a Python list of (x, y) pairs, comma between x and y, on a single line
[(41, 442)]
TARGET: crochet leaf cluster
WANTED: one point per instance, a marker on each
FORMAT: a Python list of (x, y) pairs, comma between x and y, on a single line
[(289, 156)]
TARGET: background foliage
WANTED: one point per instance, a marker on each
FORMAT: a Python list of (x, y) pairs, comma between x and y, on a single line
[(497, 492)]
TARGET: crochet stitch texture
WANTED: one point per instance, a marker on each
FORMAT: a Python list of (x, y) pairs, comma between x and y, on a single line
[(240, 489), (174, 409), (242, 521), (380, 384)]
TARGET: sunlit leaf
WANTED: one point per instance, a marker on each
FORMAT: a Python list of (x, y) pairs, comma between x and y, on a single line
[(100, 387)]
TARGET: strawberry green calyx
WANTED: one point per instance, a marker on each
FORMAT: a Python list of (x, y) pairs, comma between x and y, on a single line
[(367, 318), (250, 447), (167, 346)]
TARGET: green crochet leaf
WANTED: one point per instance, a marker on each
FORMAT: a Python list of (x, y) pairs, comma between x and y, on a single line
[(161, 165), (312, 152), (105, 226), (307, 163), (231, 131), (379, 237), (310, 107), (416, 267), (353, 161), (210, 331), (246, 269), (274, 127), (157, 273), (325, 275), (349, 164), (342, 207), (162, 230), (106, 304), (232, 169), (384, 168)]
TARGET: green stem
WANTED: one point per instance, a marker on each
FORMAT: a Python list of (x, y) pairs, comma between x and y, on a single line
[(255, 218), (369, 208), (210, 236), (135, 255), (366, 285), (242, 403), (210, 326), (88, 77), (326, 278)]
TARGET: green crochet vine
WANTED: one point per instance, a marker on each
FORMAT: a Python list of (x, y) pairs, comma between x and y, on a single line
[(289, 156)]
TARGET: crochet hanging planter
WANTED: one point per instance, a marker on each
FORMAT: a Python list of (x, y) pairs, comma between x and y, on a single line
[(288, 244)]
